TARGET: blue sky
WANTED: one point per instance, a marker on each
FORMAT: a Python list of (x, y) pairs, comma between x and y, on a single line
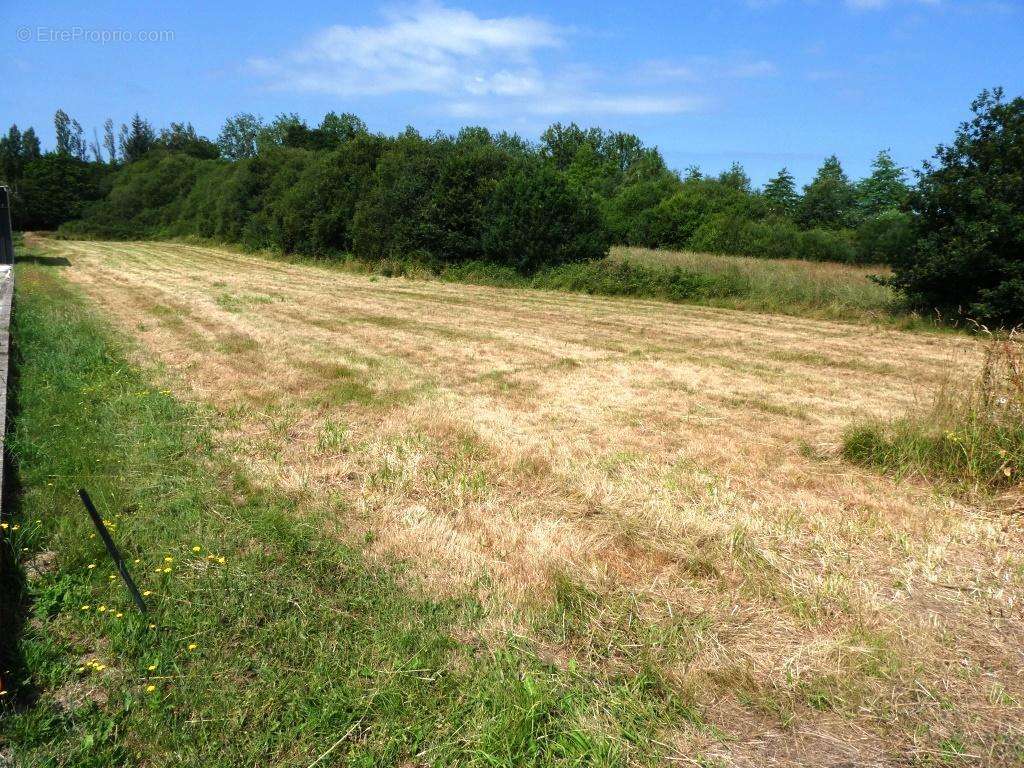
[(765, 82)]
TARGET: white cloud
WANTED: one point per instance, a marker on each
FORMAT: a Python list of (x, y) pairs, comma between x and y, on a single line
[(474, 65), (707, 68), (429, 48)]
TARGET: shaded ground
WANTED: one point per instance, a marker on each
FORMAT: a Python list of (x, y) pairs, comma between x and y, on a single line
[(531, 446)]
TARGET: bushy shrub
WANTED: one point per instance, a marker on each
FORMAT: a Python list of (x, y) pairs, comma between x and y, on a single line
[(770, 239), (144, 197), (622, 278), (826, 245), (389, 219), (535, 219), (968, 258), (54, 189), (675, 221), (885, 238)]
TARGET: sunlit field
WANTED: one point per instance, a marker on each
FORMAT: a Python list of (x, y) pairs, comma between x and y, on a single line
[(630, 489)]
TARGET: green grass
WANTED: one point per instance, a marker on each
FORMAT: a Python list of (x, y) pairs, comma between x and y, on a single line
[(972, 437), (294, 648)]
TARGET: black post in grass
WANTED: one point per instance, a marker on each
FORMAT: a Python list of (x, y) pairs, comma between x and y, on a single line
[(112, 550), (6, 237)]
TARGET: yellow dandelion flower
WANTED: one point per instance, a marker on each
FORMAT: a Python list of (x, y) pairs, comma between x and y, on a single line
[(80, 670), (5, 526), (85, 607), (152, 626), (192, 646), (102, 608), (167, 570), (118, 615), (197, 549), (150, 688), (220, 560), (136, 561), (151, 667), (168, 559), (111, 577), (147, 593), (90, 566), (15, 527)]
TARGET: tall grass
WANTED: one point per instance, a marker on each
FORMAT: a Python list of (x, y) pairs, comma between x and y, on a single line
[(973, 434), (786, 286)]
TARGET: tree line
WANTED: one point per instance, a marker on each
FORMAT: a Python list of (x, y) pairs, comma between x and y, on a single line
[(335, 188)]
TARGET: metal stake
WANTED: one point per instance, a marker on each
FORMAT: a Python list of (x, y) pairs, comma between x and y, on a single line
[(112, 550)]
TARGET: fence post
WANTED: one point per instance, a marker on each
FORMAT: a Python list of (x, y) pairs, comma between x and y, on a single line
[(6, 240)]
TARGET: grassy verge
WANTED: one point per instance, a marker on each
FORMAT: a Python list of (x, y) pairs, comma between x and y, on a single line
[(971, 438), (267, 643)]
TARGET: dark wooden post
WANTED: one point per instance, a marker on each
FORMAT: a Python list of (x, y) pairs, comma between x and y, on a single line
[(6, 241)]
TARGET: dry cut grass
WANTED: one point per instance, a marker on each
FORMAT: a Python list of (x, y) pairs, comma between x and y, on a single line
[(668, 475)]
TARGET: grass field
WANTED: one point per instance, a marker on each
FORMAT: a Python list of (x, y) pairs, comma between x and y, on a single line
[(471, 525)]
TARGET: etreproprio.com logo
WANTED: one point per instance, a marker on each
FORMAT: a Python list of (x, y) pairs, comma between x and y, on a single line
[(92, 35)]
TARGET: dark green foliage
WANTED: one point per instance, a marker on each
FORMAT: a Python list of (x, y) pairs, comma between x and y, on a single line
[(736, 178), (885, 190), (968, 260), (389, 220), (829, 200), (53, 189), (146, 197), (70, 136), (780, 194), (826, 245), (675, 220), (440, 200), (182, 137), (885, 238), (535, 219), (17, 149), (443, 200), (237, 139), (136, 139), (456, 216), (606, 278)]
